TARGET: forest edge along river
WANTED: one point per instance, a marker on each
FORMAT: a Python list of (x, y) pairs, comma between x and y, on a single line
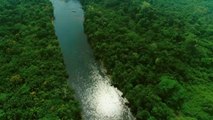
[(99, 100)]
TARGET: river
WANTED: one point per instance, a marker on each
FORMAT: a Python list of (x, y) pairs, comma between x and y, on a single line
[(99, 100)]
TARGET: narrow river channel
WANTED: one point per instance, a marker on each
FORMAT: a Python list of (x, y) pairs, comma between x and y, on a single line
[(99, 100)]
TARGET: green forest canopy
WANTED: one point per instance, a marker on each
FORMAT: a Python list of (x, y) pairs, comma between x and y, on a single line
[(32, 74), (158, 52)]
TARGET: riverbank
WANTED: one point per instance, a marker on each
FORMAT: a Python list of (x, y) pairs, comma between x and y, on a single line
[(33, 80), (158, 53)]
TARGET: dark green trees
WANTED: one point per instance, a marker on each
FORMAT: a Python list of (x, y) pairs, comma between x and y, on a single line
[(157, 52), (171, 92), (32, 74)]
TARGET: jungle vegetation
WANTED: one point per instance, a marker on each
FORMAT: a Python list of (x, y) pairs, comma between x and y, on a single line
[(32, 73), (159, 53)]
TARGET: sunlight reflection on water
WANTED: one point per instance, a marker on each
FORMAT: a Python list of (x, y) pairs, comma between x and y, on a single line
[(100, 100), (108, 102)]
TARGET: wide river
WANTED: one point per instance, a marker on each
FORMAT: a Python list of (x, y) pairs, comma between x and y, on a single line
[(99, 100)]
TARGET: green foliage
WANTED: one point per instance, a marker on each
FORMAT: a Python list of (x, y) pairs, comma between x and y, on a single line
[(33, 77), (171, 92), (155, 50)]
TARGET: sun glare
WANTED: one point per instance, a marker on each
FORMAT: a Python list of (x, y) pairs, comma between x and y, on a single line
[(108, 103)]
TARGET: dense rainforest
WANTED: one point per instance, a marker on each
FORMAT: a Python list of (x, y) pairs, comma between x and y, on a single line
[(159, 53), (32, 74)]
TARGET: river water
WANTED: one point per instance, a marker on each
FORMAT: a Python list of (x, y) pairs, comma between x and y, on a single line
[(99, 100)]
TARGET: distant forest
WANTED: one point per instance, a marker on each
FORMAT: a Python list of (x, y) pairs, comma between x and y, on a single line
[(32, 74), (159, 53)]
